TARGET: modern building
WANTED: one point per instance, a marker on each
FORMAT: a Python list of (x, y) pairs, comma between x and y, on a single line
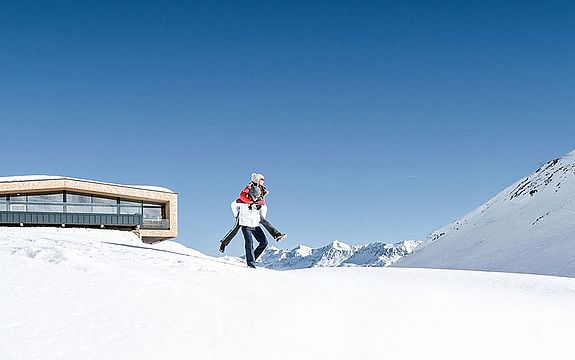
[(69, 202)]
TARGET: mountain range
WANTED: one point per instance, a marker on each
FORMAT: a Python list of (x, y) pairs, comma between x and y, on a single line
[(529, 227), (336, 254)]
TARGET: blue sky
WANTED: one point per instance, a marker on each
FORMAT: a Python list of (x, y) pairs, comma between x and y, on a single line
[(372, 121)]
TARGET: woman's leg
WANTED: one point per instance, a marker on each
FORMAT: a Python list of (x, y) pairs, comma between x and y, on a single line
[(229, 236), (275, 233)]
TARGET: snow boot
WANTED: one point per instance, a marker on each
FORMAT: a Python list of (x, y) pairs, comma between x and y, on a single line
[(280, 237)]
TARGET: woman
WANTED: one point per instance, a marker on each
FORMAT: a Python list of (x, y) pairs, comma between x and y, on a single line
[(254, 196)]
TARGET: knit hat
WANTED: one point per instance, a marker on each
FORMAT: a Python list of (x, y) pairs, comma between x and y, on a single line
[(257, 177)]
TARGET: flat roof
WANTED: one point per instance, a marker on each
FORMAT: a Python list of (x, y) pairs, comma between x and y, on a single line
[(25, 178)]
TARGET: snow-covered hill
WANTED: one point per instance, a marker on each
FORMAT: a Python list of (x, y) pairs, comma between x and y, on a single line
[(70, 294), (336, 254), (528, 228)]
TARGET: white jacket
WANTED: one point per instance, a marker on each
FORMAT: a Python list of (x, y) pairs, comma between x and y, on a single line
[(248, 217)]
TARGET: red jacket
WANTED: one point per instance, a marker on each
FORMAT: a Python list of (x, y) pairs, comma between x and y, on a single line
[(246, 198)]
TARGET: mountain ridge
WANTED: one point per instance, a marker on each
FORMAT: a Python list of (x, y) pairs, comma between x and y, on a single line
[(527, 228), (336, 254)]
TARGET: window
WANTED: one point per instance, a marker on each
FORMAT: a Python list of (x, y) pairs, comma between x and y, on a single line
[(103, 200), (153, 205), (105, 205), (35, 202), (83, 209), (78, 199), (103, 209), (152, 213), (130, 207), (71, 202), (46, 198), (45, 208), (78, 203), (18, 198), (18, 207)]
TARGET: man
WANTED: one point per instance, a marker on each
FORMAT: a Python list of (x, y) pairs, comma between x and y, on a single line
[(257, 201), (249, 218)]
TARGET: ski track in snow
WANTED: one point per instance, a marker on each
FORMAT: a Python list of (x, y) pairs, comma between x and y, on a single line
[(102, 294)]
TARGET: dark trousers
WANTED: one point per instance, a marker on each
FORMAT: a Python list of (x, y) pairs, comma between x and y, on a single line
[(230, 235), (249, 234), (233, 231)]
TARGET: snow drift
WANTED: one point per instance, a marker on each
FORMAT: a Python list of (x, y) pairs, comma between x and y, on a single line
[(71, 294)]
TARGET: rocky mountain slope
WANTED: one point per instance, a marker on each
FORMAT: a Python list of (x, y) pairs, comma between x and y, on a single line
[(528, 228)]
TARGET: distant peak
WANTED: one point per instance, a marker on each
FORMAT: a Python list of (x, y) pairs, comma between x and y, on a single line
[(303, 250), (336, 244)]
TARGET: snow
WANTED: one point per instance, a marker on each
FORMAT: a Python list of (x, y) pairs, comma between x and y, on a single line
[(51, 177), (338, 245), (29, 178), (526, 228), (102, 294), (302, 250), (150, 187)]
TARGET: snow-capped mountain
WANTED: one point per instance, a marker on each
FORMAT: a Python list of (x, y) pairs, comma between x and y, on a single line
[(528, 227), (336, 254)]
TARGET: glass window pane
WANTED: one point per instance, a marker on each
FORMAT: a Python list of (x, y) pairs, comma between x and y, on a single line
[(78, 198), (79, 208), (3, 206), (46, 198), (102, 200), (130, 203), (18, 198), (45, 208), (153, 213), (2, 198), (105, 209), (131, 210), (17, 207), (153, 205)]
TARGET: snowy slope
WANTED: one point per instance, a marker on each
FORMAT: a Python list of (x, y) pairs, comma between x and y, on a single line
[(336, 254), (71, 294), (528, 228)]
